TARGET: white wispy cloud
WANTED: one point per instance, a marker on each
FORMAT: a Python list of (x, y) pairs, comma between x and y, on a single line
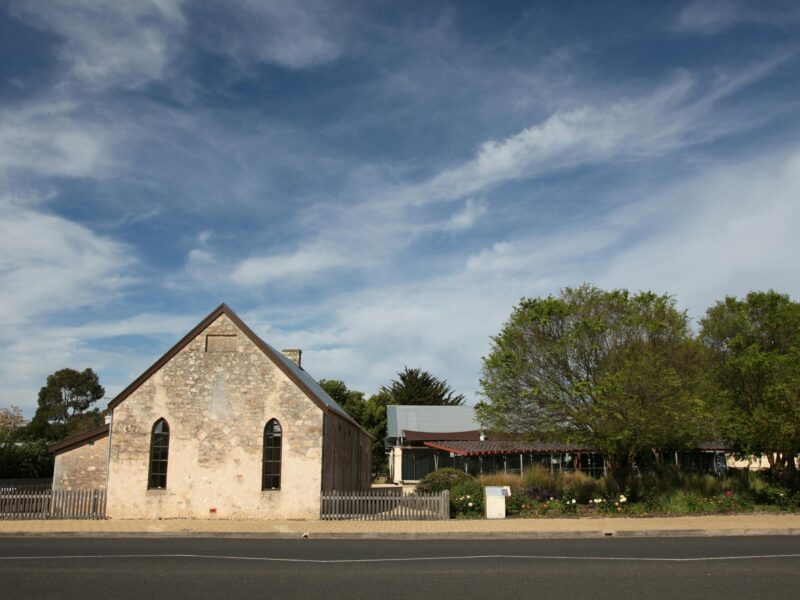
[(111, 43), (714, 16), (467, 217), (673, 115), (130, 44), (385, 218), (51, 266), (300, 264), (51, 138), (725, 230), (48, 263), (291, 34), (736, 233)]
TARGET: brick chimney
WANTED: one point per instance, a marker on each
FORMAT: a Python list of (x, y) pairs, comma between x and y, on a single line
[(293, 354)]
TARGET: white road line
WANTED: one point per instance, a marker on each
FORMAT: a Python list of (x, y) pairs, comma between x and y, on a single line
[(401, 559)]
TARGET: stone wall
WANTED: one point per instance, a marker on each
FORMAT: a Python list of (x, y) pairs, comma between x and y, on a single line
[(83, 467), (216, 394)]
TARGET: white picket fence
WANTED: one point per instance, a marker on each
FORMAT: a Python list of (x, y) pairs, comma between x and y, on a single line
[(42, 502), (384, 505)]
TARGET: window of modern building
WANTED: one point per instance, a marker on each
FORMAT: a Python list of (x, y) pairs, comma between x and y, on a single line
[(159, 453), (271, 474)]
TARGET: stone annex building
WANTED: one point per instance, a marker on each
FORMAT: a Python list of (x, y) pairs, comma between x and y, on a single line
[(223, 425)]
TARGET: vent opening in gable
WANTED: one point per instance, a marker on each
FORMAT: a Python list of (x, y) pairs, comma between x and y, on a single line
[(220, 343)]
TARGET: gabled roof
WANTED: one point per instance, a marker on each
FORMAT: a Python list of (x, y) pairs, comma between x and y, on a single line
[(296, 374), (401, 418), (78, 439)]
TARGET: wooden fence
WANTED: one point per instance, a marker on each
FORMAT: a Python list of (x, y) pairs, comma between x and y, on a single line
[(384, 505), (37, 501)]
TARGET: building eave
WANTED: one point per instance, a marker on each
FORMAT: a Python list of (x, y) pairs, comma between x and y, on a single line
[(79, 439)]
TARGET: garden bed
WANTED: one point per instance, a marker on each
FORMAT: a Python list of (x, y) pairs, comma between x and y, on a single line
[(544, 494)]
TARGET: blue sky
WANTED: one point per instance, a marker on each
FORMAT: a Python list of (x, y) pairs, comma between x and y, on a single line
[(379, 183)]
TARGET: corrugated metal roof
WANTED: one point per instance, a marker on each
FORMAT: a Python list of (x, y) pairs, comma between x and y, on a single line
[(303, 375), (429, 418)]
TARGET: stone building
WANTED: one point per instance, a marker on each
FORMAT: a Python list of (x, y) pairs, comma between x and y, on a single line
[(81, 460), (222, 426)]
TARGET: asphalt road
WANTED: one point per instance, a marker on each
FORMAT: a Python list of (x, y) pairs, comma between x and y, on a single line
[(653, 568)]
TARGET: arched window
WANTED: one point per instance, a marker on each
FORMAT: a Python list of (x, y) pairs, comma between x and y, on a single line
[(159, 452), (271, 473)]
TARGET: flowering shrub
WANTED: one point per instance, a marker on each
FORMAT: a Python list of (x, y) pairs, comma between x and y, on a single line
[(466, 499), (611, 503), (539, 502), (731, 502), (569, 505)]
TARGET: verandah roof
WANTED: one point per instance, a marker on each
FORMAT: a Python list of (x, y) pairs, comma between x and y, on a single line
[(487, 447), (432, 436)]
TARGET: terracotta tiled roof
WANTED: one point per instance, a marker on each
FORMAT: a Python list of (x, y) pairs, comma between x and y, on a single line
[(478, 448)]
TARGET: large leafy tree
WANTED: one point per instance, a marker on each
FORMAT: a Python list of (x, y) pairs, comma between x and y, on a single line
[(415, 386), (610, 369), (65, 404), (756, 348), (351, 401)]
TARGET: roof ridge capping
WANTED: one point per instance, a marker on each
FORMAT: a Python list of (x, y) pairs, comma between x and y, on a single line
[(295, 373)]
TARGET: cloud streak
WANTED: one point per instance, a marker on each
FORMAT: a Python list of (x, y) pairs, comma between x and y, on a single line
[(48, 263), (376, 185)]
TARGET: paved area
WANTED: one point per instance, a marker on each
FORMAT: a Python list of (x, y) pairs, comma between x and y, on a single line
[(509, 528), (653, 568)]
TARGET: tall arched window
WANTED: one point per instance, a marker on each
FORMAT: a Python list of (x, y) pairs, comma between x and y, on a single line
[(271, 473), (159, 453)]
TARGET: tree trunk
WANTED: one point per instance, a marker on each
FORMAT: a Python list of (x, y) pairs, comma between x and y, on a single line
[(619, 467)]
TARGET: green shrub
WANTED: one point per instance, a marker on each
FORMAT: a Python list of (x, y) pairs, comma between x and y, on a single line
[(540, 478), (681, 502), (443, 479), (582, 487), (25, 460), (568, 505), (467, 499), (516, 500), (776, 495)]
